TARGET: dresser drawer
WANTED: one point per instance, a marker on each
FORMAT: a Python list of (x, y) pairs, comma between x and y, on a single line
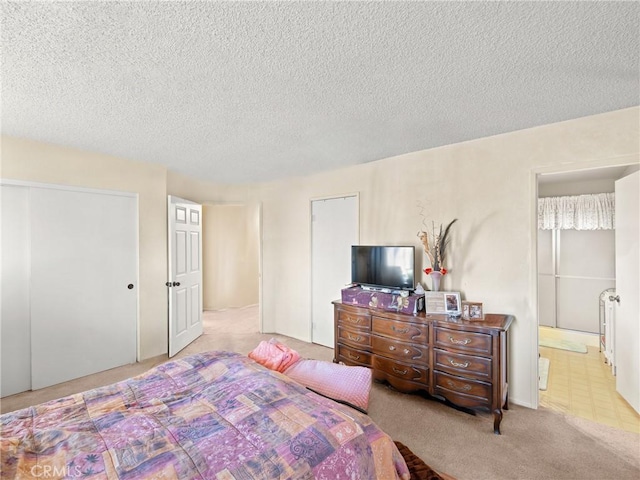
[(409, 332), (463, 365), (352, 356), (462, 391), (387, 347), (355, 338), (466, 341), (354, 320), (401, 370)]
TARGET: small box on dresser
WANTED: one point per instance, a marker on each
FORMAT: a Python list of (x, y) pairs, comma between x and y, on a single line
[(394, 302)]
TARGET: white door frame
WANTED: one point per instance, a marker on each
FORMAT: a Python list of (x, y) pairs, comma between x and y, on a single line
[(620, 161)]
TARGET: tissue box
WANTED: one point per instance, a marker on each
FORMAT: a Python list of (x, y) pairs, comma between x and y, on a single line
[(383, 300)]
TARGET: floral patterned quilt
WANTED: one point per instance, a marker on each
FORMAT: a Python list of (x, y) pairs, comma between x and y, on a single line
[(214, 415)]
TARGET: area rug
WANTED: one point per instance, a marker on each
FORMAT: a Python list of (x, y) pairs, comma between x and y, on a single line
[(563, 345), (543, 371), (418, 469)]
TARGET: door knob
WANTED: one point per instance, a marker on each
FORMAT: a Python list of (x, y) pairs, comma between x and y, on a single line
[(614, 299), (168, 284), (130, 286), (176, 284)]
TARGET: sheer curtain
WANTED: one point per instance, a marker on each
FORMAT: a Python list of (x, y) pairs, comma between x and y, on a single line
[(580, 212)]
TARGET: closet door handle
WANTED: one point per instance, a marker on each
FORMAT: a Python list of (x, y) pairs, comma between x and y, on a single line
[(176, 284)]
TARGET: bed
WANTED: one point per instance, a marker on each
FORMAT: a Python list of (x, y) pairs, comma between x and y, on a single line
[(213, 415)]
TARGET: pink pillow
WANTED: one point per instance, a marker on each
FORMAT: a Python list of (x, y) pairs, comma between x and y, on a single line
[(274, 355), (347, 384)]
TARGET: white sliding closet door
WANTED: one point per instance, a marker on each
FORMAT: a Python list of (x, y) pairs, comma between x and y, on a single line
[(574, 267), (585, 267), (83, 283), (15, 325), (546, 278)]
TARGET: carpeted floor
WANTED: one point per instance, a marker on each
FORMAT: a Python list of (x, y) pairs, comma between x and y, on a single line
[(535, 444), (417, 468)]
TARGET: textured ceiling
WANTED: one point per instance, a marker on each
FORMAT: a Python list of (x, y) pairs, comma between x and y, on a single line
[(238, 92)]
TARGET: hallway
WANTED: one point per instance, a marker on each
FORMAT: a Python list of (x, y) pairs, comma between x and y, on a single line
[(581, 384)]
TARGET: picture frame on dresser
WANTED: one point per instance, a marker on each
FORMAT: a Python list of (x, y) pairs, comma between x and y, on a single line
[(447, 303), (472, 311)]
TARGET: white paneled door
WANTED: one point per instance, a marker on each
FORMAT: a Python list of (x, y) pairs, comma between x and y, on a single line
[(334, 229), (185, 272), (627, 316)]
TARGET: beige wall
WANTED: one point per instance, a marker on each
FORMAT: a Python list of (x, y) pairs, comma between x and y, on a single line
[(204, 192), (44, 163), (488, 184), (559, 189), (230, 256)]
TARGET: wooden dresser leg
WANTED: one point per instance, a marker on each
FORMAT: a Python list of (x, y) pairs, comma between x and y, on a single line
[(497, 418)]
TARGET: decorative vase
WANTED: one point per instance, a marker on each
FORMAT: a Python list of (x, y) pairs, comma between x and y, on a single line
[(435, 280)]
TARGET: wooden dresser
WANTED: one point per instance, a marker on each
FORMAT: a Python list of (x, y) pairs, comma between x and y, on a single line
[(459, 361)]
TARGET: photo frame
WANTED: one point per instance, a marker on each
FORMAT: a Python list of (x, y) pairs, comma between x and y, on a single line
[(447, 303), (472, 311)]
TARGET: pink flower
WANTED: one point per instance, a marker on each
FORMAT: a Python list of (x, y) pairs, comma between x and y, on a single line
[(443, 271)]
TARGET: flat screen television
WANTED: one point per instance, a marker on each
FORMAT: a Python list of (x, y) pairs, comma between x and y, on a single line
[(381, 266)]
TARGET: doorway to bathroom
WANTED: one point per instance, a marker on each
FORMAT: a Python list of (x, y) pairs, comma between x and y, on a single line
[(576, 266)]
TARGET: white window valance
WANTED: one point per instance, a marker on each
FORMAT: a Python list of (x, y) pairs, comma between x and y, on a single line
[(581, 212)]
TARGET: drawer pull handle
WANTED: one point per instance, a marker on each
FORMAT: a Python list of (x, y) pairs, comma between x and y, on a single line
[(399, 372), (355, 357), (354, 320), (459, 342), (392, 348), (406, 351), (456, 364), (466, 387), (355, 339), (399, 330)]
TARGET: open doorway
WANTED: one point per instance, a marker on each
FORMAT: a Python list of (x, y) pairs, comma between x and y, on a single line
[(574, 267), (231, 262)]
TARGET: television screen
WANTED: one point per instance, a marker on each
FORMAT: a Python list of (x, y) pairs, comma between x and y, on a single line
[(383, 266)]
